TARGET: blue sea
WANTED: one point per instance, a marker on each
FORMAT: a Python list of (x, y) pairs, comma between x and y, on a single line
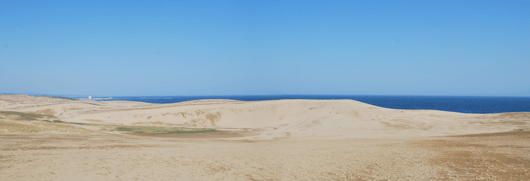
[(462, 104)]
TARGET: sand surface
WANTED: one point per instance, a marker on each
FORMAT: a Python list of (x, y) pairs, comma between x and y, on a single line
[(262, 140)]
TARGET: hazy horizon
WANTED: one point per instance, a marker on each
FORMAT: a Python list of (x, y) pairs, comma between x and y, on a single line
[(247, 95)]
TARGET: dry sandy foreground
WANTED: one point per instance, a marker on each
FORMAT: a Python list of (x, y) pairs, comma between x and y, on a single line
[(264, 140)]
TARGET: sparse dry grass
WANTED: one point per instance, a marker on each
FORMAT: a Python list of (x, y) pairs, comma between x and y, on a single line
[(23, 116), (13, 121), (37, 126), (523, 129)]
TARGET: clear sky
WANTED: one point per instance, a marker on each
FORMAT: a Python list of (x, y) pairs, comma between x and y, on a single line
[(144, 48)]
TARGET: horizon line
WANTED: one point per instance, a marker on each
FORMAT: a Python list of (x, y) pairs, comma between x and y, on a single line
[(245, 95)]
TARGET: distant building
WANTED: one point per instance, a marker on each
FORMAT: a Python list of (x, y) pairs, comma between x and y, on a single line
[(89, 97)]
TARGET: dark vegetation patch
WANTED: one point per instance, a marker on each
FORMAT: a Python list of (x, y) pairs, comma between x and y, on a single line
[(217, 134), (59, 121), (516, 132), (163, 130), (150, 130)]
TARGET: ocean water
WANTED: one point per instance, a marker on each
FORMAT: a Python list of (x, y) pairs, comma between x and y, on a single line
[(462, 104)]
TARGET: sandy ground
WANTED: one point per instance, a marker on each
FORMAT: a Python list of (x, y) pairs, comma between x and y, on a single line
[(264, 140)]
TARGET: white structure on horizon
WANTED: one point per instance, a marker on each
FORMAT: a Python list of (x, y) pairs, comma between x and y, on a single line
[(89, 97)]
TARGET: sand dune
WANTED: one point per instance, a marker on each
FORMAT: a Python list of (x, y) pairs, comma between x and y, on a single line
[(283, 140), (276, 119)]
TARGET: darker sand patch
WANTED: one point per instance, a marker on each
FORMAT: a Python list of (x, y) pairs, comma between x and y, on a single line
[(94, 120), (489, 156), (514, 115), (213, 118), (49, 112)]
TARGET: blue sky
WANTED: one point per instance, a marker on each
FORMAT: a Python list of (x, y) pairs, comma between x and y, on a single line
[(143, 48)]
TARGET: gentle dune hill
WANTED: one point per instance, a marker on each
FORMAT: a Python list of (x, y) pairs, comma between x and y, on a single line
[(60, 139), (275, 119)]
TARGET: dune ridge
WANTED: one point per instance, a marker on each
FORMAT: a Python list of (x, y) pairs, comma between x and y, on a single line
[(275, 118)]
